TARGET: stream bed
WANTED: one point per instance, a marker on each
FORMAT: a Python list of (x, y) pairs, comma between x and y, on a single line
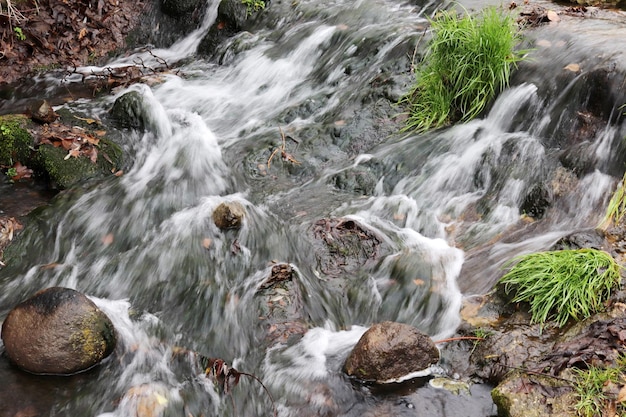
[(297, 121)]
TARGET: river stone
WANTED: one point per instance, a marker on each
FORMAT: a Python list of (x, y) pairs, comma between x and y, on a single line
[(57, 331), (229, 215), (129, 111), (532, 395), (389, 351)]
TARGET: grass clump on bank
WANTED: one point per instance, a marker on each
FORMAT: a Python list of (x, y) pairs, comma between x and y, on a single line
[(616, 209), (468, 61), (597, 388), (563, 284)]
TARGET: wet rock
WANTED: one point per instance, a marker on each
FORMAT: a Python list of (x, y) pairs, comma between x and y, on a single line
[(360, 179), (344, 245), (514, 345), (281, 305), (537, 202), (8, 227), (145, 400), (229, 215), (232, 17), (590, 239), (390, 352), (129, 111), (57, 331), (42, 112), (531, 395)]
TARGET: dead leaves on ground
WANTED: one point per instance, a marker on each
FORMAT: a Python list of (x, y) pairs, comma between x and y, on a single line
[(75, 140), (69, 31)]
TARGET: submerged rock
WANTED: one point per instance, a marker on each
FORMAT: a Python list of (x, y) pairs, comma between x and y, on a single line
[(57, 331), (391, 352), (229, 215)]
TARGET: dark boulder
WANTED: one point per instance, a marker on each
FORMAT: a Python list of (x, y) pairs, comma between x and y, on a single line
[(389, 352), (57, 331)]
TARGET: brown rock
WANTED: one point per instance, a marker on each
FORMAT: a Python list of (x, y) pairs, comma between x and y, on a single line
[(42, 112), (57, 331), (229, 215), (389, 351)]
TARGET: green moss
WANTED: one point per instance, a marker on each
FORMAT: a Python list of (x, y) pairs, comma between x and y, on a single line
[(15, 140)]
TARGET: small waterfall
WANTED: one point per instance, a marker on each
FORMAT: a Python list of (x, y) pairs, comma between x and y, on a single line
[(446, 209)]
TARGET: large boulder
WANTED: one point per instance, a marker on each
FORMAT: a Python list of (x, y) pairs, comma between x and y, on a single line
[(391, 352), (57, 331)]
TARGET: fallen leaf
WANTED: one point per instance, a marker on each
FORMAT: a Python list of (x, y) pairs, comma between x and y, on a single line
[(544, 43), (21, 172), (621, 397), (206, 243), (82, 33), (572, 67), (419, 282), (399, 216), (73, 153), (553, 16), (108, 239)]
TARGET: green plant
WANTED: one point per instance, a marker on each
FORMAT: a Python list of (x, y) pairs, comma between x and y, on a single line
[(562, 284), (254, 5), (595, 387), (616, 209), (11, 172), (19, 33), (481, 334), (467, 61)]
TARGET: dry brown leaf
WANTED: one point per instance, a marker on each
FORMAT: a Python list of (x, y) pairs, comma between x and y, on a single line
[(544, 43), (108, 239), (206, 243), (73, 153), (572, 67), (621, 397), (82, 33), (553, 16)]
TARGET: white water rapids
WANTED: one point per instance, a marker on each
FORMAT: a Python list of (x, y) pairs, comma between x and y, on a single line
[(139, 242)]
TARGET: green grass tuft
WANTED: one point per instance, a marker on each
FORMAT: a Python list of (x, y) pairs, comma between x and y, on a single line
[(563, 284), (616, 209), (467, 62), (595, 388)]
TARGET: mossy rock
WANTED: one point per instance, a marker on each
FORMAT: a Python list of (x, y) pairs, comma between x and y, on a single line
[(64, 173), (57, 331), (531, 395), (15, 140)]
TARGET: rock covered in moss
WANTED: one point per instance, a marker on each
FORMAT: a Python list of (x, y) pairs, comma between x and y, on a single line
[(229, 215), (15, 140), (531, 395), (391, 352), (129, 111), (57, 331)]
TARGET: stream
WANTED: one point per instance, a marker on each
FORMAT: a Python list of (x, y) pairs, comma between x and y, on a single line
[(449, 206)]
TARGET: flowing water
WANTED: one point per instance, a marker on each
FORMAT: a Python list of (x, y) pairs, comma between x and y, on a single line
[(446, 204)]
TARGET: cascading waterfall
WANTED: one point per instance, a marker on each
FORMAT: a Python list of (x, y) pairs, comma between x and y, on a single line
[(146, 246)]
